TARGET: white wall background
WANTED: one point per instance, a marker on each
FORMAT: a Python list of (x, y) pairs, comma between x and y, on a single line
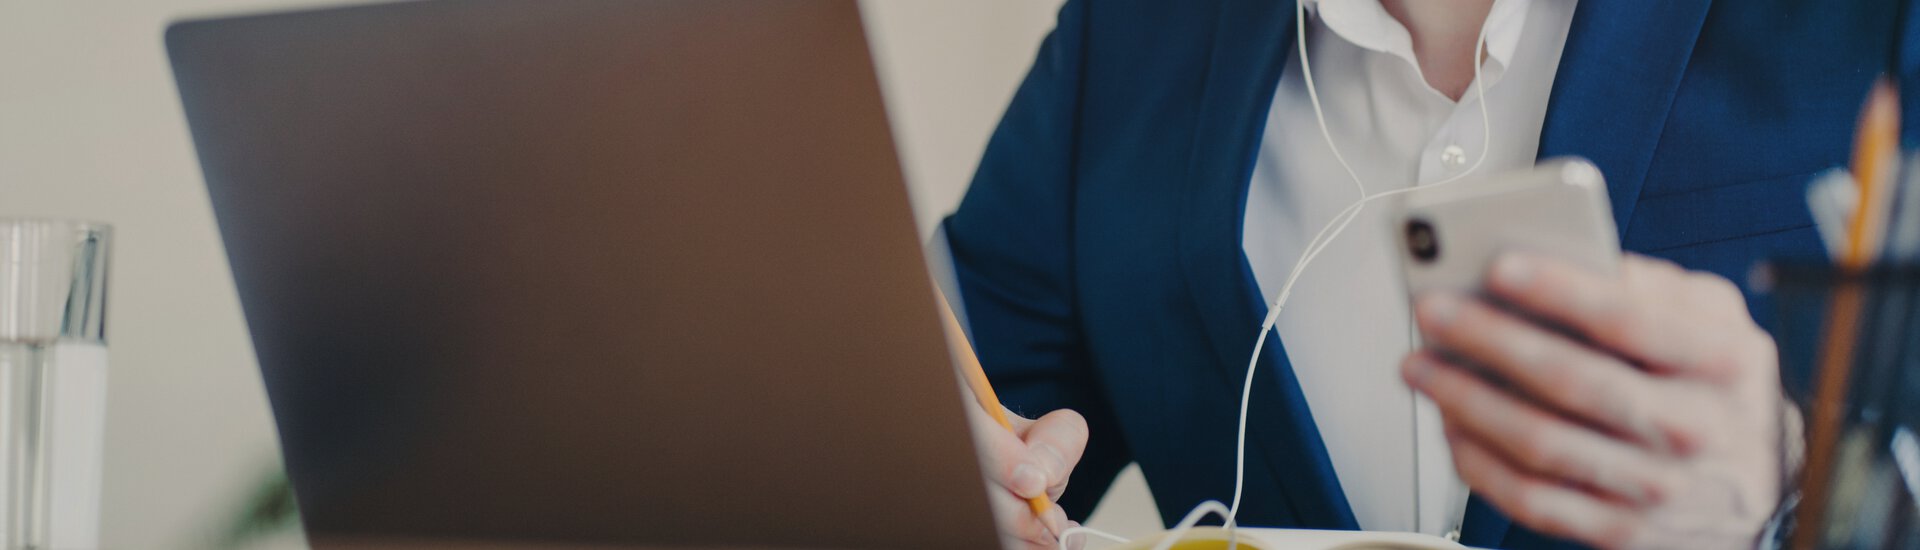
[(90, 127)]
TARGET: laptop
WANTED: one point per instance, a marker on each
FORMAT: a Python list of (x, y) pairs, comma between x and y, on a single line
[(583, 273)]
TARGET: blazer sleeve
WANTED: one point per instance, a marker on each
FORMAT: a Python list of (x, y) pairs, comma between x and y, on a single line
[(1012, 243)]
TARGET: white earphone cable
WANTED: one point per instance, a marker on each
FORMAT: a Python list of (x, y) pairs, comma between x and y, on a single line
[(1319, 243), (1338, 225), (1084, 531), (1167, 541)]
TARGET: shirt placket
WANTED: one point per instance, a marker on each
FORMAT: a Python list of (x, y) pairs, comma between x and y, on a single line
[(1459, 142)]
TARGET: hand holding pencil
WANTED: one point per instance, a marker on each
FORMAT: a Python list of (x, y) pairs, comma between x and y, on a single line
[(1027, 462)]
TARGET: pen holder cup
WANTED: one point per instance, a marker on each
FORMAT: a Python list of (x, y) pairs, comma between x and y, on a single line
[(1850, 352)]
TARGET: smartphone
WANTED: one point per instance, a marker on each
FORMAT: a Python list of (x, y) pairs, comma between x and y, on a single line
[(1450, 234)]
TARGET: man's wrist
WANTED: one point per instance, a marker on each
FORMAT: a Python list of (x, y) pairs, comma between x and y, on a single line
[(1780, 526), (1792, 457)]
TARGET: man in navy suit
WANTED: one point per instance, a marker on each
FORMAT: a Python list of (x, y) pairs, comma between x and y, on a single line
[(1152, 184)]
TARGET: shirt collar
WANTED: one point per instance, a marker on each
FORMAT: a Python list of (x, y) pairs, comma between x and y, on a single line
[(1368, 25)]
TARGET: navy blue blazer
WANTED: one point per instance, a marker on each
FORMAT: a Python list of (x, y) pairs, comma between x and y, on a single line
[(1098, 251)]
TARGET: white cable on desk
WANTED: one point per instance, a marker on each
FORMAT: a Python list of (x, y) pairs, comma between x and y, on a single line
[(1084, 530)]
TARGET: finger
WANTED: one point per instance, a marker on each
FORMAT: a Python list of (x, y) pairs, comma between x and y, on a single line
[(1565, 375), (1055, 521), (1638, 322), (1020, 423), (1690, 290), (1018, 523), (1055, 441), (1539, 441), (1538, 503), (1004, 458)]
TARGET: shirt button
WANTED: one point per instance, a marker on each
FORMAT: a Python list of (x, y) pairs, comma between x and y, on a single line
[(1453, 157)]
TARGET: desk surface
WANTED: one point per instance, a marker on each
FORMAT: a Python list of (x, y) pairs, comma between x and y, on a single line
[(1252, 538)]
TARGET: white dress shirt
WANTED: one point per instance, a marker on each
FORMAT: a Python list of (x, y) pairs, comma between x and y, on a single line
[(1347, 324)]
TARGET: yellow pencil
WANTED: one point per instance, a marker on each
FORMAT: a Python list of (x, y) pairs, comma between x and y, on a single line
[(1876, 146), (983, 390)]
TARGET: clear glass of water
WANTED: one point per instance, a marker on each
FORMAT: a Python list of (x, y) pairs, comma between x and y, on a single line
[(53, 382)]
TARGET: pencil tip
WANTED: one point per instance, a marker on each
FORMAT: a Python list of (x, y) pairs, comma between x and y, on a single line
[(1883, 103)]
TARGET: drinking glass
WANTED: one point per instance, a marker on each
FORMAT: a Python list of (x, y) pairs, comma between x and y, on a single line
[(53, 382)]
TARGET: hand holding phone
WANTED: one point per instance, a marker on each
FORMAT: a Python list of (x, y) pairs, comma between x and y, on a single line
[(1617, 401)]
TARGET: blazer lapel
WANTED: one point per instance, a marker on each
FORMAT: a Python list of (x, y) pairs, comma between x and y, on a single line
[(1250, 45), (1622, 65), (1618, 75)]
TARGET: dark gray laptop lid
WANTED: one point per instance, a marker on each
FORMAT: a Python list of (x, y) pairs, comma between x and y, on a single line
[(628, 272)]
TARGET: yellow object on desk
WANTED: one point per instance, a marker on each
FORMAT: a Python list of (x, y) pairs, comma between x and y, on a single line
[(1212, 538)]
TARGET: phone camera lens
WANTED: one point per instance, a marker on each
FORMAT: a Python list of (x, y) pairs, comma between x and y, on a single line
[(1421, 241)]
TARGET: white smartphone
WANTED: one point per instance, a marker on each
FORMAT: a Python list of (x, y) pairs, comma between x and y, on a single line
[(1450, 234)]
